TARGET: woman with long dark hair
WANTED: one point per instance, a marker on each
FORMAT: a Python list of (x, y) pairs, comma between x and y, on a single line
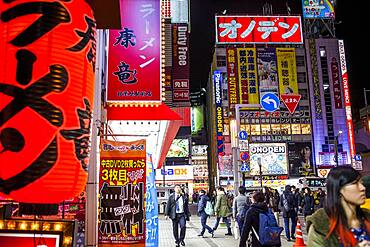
[(341, 222)]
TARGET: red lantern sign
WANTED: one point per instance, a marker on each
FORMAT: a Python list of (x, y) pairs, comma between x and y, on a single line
[(47, 51)]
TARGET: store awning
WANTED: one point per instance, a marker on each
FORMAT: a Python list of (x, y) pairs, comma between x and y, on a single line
[(145, 122)]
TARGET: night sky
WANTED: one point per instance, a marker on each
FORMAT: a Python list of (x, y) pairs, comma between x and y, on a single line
[(348, 14)]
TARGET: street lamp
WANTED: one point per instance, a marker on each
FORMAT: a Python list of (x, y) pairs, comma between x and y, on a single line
[(336, 147)]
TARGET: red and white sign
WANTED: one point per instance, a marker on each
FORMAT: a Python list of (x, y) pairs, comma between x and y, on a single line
[(258, 29), (347, 99), (134, 61), (291, 101)]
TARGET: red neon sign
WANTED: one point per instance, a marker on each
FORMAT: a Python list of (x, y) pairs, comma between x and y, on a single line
[(258, 29), (347, 99)]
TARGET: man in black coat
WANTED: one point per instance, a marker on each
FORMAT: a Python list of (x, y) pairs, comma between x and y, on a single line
[(177, 209)]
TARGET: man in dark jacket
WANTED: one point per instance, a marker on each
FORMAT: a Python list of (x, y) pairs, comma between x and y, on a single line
[(203, 199), (288, 205), (252, 219), (177, 209)]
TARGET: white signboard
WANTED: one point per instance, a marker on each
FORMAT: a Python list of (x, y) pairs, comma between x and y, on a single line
[(180, 11), (271, 156), (173, 173)]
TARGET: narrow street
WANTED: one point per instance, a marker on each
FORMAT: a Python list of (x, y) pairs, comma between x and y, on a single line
[(193, 228)]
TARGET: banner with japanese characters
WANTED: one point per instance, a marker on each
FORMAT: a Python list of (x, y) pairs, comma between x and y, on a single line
[(258, 29), (232, 76), (337, 89), (267, 71), (287, 70), (134, 60), (151, 206), (248, 79), (122, 182), (180, 68)]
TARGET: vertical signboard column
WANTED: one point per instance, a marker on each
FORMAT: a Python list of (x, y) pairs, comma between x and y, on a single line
[(122, 184), (347, 99), (217, 78)]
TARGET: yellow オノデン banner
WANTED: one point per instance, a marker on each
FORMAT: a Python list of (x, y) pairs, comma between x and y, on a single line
[(287, 71)]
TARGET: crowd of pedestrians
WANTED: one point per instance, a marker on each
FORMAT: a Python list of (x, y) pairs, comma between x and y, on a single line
[(335, 218)]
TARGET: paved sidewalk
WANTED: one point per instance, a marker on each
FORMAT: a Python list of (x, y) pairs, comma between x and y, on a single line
[(193, 228)]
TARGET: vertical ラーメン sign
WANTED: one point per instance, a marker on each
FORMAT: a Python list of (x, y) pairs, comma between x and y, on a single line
[(134, 61), (122, 185)]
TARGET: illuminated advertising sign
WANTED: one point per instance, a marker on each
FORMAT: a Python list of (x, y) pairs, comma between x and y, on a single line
[(258, 29), (217, 78), (318, 9), (122, 186), (175, 173), (315, 77), (267, 71), (179, 148), (232, 75), (180, 11), (180, 68), (287, 70), (336, 83), (29, 239), (248, 79), (197, 119), (300, 159), (272, 157), (347, 99), (134, 61)]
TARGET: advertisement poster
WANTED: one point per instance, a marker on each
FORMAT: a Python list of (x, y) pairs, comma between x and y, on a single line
[(272, 157), (151, 207), (28, 239), (197, 119), (300, 159), (248, 85), (122, 182), (217, 78), (134, 64), (287, 70), (267, 71), (179, 148), (318, 9), (232, 76), (225, 166)]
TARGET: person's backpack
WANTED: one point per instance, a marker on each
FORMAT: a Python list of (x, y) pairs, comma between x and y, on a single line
[(287, 202), (243, 211), (209, 208), (269, 230)]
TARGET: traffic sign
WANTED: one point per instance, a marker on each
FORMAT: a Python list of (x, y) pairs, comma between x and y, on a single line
[(245, 167), (244, 156), (270, 102), (358, 157), (243, 135), (291, 101)]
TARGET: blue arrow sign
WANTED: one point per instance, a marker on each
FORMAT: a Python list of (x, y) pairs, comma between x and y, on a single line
[(358, 157), (243, 135), (270, 102)]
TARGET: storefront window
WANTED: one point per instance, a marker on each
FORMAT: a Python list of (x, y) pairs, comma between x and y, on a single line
[(306, 129), (285, 128), (296, 129), (265, 129), (255, 130)]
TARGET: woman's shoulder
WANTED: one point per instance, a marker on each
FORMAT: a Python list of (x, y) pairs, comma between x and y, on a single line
[(320, 221)]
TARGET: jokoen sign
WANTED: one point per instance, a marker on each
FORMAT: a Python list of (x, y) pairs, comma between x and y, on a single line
[(258, 29)]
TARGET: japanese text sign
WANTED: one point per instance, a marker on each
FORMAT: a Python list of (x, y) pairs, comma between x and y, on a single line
[(336, 83), (151, 207), (122, 184), (248, 78), (287, 70), (217, 79), (47, 66), (258, 29), (291, 101), (134, 61), (232, 76)]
